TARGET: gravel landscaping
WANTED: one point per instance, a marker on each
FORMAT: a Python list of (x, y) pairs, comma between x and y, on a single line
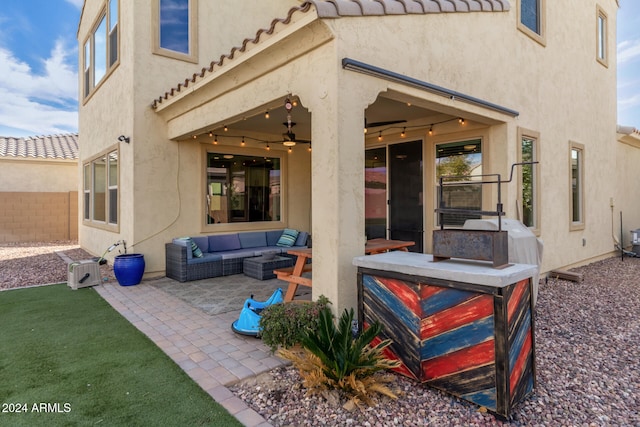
[(588, 369), (587, 343), (37, 263)]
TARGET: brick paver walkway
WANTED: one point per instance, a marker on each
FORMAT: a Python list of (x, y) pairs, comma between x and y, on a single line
[(204, 346)]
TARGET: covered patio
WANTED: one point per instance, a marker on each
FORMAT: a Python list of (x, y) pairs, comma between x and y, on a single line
[(267, 97)]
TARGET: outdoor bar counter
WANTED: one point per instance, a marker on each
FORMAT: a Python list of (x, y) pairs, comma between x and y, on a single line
[(460, 326)]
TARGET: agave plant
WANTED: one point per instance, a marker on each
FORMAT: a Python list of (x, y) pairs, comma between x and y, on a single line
[(333, 358)]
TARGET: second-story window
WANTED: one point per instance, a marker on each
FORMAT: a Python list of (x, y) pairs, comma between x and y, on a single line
[(531, 19), (176, 29), (100, 52), (601, 32)]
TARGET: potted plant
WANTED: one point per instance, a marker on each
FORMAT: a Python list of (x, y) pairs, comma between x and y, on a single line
[(128, 268)]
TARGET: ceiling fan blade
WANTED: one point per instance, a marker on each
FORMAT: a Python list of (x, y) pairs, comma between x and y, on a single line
[(387, 123)]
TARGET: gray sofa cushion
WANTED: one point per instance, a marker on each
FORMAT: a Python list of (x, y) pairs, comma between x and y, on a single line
[(301, 240), (273, 236), (202, 242), (224, 242), (252, 239), (206, 257)]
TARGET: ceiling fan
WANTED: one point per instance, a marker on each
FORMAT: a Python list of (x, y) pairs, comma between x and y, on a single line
[(290, 138)]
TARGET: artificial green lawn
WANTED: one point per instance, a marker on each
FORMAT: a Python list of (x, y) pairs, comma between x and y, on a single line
[(80, 363)]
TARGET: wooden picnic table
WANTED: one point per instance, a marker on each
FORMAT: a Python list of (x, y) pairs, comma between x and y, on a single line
[(294, 275)]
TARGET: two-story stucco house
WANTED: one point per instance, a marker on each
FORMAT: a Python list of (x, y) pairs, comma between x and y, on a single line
[(338, 117)]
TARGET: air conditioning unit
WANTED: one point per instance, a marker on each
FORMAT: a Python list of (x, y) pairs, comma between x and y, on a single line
[(83, 274)]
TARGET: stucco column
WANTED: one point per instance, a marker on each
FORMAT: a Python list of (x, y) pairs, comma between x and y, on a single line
[(337, 195)]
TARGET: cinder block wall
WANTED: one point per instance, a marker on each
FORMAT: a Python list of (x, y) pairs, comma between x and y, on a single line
[(37, 217)]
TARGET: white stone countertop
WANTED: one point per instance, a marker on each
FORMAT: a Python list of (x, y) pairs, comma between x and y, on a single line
[(460, 270)]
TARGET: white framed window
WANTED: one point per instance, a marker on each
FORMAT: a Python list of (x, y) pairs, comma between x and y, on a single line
[(100, 188), (576, 185), (532, 19), (459, 164), (176, 29), (101, 49), (602, 51), (528, 184)]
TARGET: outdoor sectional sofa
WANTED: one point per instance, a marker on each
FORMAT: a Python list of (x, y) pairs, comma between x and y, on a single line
[(223, 254)]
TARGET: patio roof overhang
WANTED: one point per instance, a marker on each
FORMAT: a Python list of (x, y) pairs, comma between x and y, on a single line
[(371, 70)]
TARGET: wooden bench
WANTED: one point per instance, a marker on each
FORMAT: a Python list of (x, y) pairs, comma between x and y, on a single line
[(286, 274)]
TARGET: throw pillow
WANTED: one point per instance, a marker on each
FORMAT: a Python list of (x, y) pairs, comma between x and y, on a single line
[(288, 238), (195, 250)]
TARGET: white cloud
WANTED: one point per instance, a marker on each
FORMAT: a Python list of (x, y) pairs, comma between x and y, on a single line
[(39, 104), (628, 50), (629, 102)]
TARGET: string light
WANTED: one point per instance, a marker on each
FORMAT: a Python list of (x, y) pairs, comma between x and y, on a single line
[(309, 149), (210, 134), (403, 133), (195, 136), (226, 128), (215, 140), (266, 115), (290, 150), (268, 148), (242, 143)]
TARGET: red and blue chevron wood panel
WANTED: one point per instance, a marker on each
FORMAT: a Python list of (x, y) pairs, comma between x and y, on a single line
[(396, 305), (458, 347), (520, 342), (446, 337)]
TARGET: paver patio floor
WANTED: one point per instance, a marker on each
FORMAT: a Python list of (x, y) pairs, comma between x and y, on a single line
[(202, 344)]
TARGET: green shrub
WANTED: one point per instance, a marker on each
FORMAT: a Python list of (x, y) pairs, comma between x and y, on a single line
[(284, 325), (334, 358)]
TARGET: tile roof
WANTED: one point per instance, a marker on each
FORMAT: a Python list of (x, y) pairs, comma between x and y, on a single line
[(337, 8), (63, 147), (331, 9)]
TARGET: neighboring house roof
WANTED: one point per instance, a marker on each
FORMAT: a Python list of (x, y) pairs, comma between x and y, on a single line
[(629, 135), (629, 130), (40, 147), (349, 8)]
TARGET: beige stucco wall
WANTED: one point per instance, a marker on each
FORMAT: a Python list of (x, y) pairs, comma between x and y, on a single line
[(560, 91), (156, 173), (38, 175), (38, 200)]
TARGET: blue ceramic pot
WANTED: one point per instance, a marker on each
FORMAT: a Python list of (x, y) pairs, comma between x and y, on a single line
[(129, 269)]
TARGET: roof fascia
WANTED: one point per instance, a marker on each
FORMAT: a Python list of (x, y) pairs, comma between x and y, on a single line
[(260, 48)]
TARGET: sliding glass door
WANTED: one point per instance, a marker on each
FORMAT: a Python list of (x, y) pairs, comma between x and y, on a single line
[(394, 193), (406, 193)]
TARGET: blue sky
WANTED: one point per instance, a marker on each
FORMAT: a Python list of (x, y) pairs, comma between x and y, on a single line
[(39, 66)]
